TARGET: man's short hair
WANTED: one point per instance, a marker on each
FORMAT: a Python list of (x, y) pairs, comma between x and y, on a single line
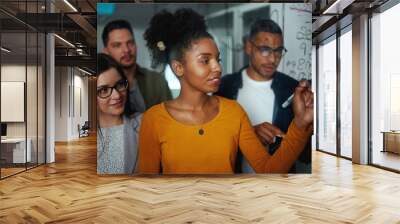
[(114, 25), (264, 25)]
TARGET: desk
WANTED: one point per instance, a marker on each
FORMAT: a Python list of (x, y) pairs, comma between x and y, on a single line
[(391, 141), (16, 148)]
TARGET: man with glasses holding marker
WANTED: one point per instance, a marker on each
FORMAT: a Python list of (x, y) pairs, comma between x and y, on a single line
[(262, 91)]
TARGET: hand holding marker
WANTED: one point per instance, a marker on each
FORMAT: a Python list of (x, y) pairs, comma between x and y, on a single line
[(269, 128), (290, 99), (287, 103)]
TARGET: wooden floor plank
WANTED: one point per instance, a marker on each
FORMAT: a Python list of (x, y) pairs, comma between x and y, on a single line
[(70, 191)]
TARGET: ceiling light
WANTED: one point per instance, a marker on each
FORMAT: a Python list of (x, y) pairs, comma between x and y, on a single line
[(80, 45), (333, 6), (65, 41), (338, 6), (5, 50), (84, 71), (70, 5), (79, 51)]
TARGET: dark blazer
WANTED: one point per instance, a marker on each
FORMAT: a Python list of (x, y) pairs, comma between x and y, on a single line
[(283, 86), (153, 87)]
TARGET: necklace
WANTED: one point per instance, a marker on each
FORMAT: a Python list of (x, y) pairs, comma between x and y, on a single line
[(201, 131)]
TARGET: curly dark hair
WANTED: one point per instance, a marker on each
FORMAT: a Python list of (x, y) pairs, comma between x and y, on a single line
[(177, 31)]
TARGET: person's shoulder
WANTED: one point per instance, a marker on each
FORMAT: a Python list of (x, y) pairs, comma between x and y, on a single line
[(133, 121), (231, 77), (286, 79), (134, 116), (154, 110), (152, 115), (229, 84), (156, 79), (230, 105), (149, 74)]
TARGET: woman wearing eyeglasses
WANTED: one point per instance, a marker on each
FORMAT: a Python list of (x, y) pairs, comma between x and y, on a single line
[(197, 133), (117, 133)]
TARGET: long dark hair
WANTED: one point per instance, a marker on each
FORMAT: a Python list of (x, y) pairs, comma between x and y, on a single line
[(106, 62)]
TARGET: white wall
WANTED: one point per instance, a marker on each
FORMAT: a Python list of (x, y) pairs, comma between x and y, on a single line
[(80, 111), (33, 126), (67, 114), (12, 73), (61, 103)]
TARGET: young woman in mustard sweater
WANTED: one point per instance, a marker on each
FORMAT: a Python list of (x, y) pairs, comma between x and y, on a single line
[(197, 133)]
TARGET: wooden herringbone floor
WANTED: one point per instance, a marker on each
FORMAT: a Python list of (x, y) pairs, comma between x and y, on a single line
[(69, 191)]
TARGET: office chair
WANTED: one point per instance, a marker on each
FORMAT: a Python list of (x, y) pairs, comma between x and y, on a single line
[(84, 130)]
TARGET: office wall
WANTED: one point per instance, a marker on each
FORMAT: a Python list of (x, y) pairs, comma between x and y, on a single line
[(61, 103), (12, 98), (80, 110), (25, 62), (15, 72), (71, 102), (92, 107), (33, 126)]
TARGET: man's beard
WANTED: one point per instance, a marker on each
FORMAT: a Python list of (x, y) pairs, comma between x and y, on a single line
[(264, 75), (128, 66), (132, 65)]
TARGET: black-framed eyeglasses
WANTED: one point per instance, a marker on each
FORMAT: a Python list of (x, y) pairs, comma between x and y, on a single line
[(266, 51), (106, 91)]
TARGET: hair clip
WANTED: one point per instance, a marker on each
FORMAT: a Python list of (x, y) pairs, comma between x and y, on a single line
[(161, 46)]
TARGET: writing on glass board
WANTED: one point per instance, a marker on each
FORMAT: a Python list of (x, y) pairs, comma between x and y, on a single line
[(299, 66)]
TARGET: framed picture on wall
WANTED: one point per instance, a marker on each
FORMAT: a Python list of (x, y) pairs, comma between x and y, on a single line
[(12, 101)]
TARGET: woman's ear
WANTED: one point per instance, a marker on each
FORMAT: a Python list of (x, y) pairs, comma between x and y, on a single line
[(177, 68)]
